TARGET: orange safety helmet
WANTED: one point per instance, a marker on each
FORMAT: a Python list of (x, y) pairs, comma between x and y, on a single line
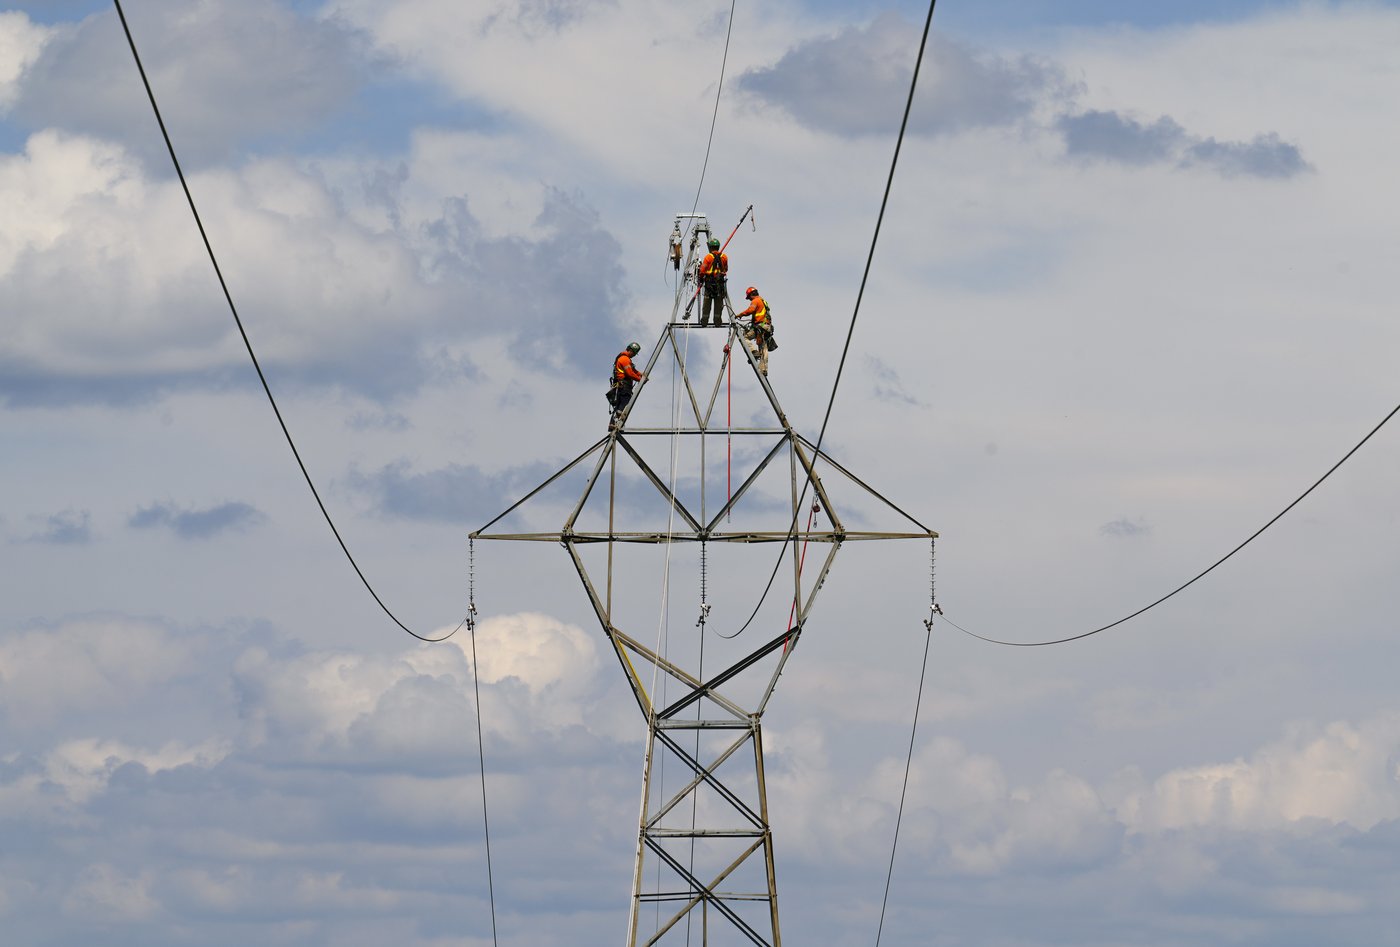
[(750, 293)]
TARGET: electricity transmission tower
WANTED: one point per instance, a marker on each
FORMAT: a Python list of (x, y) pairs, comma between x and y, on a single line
[(704, 844)]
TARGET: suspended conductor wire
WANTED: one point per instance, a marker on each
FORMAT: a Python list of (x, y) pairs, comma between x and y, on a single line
[(933, 610), (480, 741), (1201, 575), (855, 314), (179, 171), (715, 116), (663, 623)]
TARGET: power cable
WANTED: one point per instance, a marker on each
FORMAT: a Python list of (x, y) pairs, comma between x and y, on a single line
[(1201, 575), (855, 314), (470, 617), (179, 171), (480, 740), (933, 610), (715, 117)]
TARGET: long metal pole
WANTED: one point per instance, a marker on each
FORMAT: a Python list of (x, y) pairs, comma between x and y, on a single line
[(612, 506), (635, 919), (767, 831)]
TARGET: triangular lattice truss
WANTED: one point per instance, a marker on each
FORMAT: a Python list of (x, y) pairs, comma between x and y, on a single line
[(680, 483)]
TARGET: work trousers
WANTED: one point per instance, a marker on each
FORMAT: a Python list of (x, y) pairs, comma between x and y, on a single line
[(713, 302), (758, 344), (621, 395)]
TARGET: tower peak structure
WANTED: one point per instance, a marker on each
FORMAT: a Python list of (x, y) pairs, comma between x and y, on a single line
[(693, 492)]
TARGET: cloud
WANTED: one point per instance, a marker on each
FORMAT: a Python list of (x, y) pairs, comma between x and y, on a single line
[(331, 790), (21, 43), (330, 300), (1112, 137), (105, 893), (225, 75), (857, 82), (378, 421), (456, 493), (1265, 156), (197, 524), (66, 528), (54, 670), (1124, 527), (888, 386), (534, 17), (561, 295), (1341, 774), (315, 774)]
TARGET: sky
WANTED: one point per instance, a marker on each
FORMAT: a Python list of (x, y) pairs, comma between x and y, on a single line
[(1132, 295)]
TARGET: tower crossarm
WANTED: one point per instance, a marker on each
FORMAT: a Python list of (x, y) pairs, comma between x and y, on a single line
[(751, 536)]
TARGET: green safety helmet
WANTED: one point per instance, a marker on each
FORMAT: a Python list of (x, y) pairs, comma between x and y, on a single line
[(713, 244), (633, 348)]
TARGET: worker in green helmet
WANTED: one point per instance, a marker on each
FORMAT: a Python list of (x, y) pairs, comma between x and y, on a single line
[(714, 271), (624, 377)]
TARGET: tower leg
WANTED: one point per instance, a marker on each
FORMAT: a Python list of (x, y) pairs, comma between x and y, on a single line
[(733, 832), (635, 914)]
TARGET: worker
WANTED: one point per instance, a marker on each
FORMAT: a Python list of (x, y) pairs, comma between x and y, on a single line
[(624, 376), (759, 332), (714, 271)]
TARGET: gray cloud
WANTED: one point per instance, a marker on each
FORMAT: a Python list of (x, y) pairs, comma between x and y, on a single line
[(335, 794), (1265, 156), (330, 301), (560, 297), (26, 384), (1125, 527), (1113, 137), (211, 836), (536, 17), (888, 386), (66, 528), (456, 493), (468, 495), (225, 74), (378, 421), (197, 524), (856, 82)]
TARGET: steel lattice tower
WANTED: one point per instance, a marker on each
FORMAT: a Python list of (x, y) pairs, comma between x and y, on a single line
[(704, 846)]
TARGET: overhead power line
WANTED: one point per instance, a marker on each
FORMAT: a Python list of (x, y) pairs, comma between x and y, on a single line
[(470, 617), (928, 626), (715, 116), (1201, 575), (179, 171), (855, 313)]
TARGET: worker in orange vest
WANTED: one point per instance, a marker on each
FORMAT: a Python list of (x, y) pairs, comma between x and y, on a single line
[(624, 376), (759, 333), (714, 271)]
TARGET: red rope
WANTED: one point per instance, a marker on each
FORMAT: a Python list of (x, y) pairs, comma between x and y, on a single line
[(729, 435)]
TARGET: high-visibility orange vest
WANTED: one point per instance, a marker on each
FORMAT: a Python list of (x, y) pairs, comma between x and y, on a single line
[(758, 309), (714, 268), (622, 368)]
